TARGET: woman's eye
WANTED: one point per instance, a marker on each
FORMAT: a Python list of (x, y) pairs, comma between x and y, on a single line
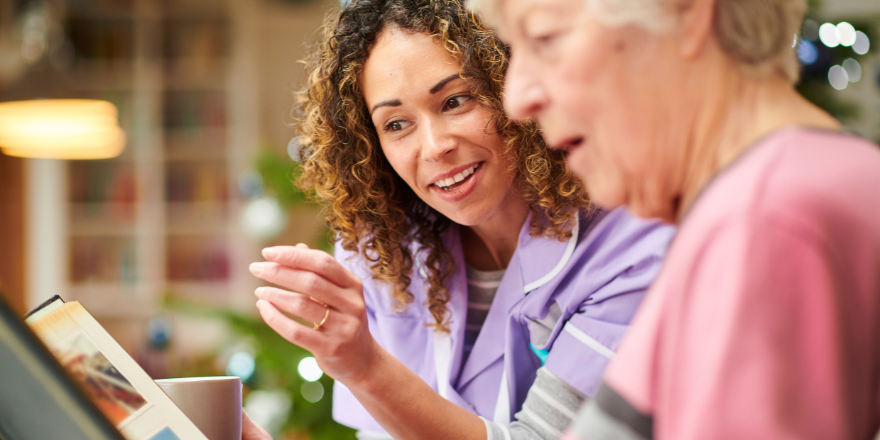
[(395, 126), (456, 101), (541, 41)]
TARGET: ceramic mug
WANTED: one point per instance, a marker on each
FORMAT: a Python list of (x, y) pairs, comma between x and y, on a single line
[(212, 403)]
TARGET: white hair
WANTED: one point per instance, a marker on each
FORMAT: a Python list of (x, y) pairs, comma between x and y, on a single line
[(758, 34)]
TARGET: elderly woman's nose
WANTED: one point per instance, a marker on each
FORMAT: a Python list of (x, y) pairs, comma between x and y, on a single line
[(436, 142), (523, 96)]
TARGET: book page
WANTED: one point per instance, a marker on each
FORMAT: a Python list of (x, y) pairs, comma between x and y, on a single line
[(113, 380)]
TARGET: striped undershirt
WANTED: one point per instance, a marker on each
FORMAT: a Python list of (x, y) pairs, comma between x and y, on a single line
[(481, 288)]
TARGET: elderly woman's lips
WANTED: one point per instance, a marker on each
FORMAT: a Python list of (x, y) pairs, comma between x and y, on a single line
[(569, 143)]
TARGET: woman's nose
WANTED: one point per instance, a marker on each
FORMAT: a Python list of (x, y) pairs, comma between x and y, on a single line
[(437, 142), (523, 95)]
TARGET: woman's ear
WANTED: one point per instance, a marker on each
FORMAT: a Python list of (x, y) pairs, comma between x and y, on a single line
[(695, 22)]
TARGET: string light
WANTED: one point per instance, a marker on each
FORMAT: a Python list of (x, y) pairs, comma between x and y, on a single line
[(828, 35), (862, 43), (846, 33), (838, 77), (853, 70), (309, 370)]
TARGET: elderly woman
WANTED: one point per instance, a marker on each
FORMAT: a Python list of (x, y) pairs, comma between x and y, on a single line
[(472, 278), (765, 320)]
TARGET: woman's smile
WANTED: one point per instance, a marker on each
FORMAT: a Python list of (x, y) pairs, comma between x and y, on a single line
[(460, 185)]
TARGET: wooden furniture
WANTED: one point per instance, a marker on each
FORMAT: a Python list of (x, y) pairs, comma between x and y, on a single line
[(12, 231), (161, 219)]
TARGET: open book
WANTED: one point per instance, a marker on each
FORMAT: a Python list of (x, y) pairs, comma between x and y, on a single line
[(119, 387)]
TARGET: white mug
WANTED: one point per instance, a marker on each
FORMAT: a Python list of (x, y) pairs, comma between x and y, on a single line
[(212, 403)]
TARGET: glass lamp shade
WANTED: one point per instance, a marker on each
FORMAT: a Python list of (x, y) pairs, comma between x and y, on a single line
[(60, 129)]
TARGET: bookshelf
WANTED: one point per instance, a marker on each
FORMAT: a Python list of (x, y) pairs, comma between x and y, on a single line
[(162, 217)]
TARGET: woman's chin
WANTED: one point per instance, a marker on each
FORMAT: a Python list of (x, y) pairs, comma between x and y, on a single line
[(466, 220), (604, 192)]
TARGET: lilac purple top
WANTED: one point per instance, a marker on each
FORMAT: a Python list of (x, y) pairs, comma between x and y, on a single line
[(764, 322), (563, 305)]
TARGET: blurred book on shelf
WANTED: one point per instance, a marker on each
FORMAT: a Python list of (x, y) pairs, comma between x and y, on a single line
[(103, 260), (194, 51), (203, 182), (195, 258), (194, 109)]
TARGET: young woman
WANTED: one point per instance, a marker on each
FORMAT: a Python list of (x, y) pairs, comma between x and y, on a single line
[(765, 322), (471, 278)]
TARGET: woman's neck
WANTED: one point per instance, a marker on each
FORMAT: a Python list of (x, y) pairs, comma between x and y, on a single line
[(742, 110), (490, 245)]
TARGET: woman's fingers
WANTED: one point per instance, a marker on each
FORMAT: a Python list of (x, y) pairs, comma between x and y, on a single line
[(293, 303), (309, 283), (251, 430), (320, 262), (296, 333)]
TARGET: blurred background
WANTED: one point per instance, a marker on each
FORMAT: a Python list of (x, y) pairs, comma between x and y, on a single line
[(156, 241)]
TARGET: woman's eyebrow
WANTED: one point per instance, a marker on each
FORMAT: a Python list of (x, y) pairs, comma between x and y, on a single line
[(389, 103), (439, 86)]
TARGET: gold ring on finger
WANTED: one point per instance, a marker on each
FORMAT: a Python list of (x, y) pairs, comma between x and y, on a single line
[(326, 314)]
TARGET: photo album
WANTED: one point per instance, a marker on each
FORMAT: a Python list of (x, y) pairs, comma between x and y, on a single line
[(108, 375)]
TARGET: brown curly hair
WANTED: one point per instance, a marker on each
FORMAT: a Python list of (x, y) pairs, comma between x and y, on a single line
[(370, 208)]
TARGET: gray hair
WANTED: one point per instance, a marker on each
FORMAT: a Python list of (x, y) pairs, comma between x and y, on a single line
[(758, 34)]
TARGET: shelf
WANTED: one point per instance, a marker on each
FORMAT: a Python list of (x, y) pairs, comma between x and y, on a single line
[(162, 217), (111, 299), (100, 75), (206, 289), (196, 73), (197, 258), (197, 182), (196, 144), (102, 218), (101, 230), (197, 218)]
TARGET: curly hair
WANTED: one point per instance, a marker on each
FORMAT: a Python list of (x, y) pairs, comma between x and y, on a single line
[(369, 207)]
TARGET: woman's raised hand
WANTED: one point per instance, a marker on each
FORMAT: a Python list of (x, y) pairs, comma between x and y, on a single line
[(321, 291)]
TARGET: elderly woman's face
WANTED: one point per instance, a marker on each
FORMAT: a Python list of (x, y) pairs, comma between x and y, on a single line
[(433, 131), (594, 91)]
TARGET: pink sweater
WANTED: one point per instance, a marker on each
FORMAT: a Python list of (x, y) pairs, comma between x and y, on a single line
[(765, 320)]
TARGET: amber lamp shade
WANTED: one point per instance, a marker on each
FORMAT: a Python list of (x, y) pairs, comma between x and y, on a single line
[(60, 129)]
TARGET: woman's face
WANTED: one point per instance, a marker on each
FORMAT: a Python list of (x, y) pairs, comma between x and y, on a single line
[(433, 131), (599, 92)]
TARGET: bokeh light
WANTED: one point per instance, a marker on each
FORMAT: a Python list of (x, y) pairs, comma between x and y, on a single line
[(837, 77), (862, 43), (810, 30), (241, 364), (853, 70), (250, 184), (159, 332), (268, 409), (807, 52), (312, 391), (846, 33), (263, 218), (295, 148), (828, 35), (309, 370)]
